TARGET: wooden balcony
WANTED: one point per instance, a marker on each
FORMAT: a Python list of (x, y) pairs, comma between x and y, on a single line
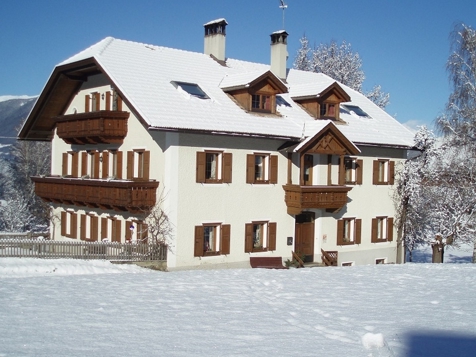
[(101, 127), (299, 198), (119, 195)]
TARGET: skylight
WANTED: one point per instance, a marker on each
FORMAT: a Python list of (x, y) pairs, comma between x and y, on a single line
[(356, 109), (281, 101), (192, 89)]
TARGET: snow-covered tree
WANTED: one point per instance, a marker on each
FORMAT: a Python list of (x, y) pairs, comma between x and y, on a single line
[(340, 63)]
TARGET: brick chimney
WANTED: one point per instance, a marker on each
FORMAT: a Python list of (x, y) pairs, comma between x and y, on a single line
[(279, 53), (215, 34)]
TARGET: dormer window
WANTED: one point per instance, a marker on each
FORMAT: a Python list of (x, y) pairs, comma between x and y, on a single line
[(192, 89), (261, 103), (328, 110)]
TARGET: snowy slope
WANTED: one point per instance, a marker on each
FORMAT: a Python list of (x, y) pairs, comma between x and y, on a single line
[(75, 308)]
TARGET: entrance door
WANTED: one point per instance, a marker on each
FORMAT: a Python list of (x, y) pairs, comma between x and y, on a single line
[(304, 236)]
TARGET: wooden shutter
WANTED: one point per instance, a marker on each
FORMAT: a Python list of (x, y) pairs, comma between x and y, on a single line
[(358, 231), (105, 164), (104, 222), (94, 228), (130, 165), (146, 165), (84, 163), (290, 168), (74, 164), (198, 246), (64, 169), (128, 230), (87, 101), (341, 172), (359, 171), (374, 230), (119, 165), (74, 225), (375, 173), (272, 236), (82, 227), (225, 239), (119, 103), (250, 168), (340, 232), (116, 236), (390, 229), (273, 175), (108, 100), (248, 237), (97, 95), (201, 164), (227, 167), (391, 172), (96, 165), (64, 221)]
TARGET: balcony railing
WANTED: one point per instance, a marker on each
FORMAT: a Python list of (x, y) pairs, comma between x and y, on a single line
[(101, 127), (119, 195), (299, 198)]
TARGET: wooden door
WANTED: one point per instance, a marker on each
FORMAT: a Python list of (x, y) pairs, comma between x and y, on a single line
[(304, 236)]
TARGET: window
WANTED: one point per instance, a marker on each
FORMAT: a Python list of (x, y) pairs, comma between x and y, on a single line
[(213, 167), (261, 168), (353, 171), (308, 167), (90, 164), (137, 231), (89, 227), (356, 110), (260, 236), (212, 239), (349, 231), (111, 164), (347, 264), (328, 110), (192, 89), (380, 261), (69, 224), (382, 229), (70, 164), (92, 102), (111, 229), (383, 172), (261, 103), (138, 164)]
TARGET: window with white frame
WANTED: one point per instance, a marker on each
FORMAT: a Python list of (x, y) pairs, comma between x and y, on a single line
[(353, 171), (213, 167), (70, 164), (260, 236), (261, 168), (69, 224), (89, 227), (212, 239), (349, 231), (111, 228), (383, 172), (138, 162), (382, 229)]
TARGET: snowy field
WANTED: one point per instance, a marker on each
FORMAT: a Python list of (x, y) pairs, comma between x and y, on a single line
[(78, 308)]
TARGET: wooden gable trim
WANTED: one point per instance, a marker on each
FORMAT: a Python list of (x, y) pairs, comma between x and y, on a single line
[(329, 141), (334, 89)]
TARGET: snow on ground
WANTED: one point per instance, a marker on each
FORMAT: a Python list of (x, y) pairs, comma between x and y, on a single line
[(79, 308)]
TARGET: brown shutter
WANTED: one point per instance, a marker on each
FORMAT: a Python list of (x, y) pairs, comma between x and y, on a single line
[(104, 222), (84, 163), (200, 169), (94, 228), (341, 172), (98, 101), (272, 236), (290, 168), (250, 168), (116, 237), (82, 227), (119, 103), (248, 237), (130, 164), (64, 169), (87, 101), (358, 231), (340, 232), (105, 164), (128, 230), (359, 171), (75, 164), (108, 100), (375, 173), (64, 219), (225, 239), (273, 175), (374, 230), (74, 225), (146, 167), (119, 165), (390, 229), (198, 247), (96, 165), (391, 168), (227, 167)]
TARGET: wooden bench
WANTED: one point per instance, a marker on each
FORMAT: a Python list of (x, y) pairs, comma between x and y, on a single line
[(267, 262)]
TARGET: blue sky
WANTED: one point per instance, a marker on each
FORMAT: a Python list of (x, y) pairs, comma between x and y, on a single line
[(403, 44)]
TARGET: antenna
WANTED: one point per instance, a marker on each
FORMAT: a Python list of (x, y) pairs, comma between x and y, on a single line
[(283, 6)]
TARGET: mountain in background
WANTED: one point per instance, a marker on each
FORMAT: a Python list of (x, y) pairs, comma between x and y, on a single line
[(13, 111)]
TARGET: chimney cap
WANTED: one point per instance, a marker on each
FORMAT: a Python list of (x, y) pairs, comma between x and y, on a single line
[(217, 21)]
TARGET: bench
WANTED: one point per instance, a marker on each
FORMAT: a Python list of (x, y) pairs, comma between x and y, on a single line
[(267, 262)]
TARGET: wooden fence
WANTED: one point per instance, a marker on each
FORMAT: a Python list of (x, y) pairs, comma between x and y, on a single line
[(50, 249)]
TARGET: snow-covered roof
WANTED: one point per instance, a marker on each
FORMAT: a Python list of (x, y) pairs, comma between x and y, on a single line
[(144, 75)]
